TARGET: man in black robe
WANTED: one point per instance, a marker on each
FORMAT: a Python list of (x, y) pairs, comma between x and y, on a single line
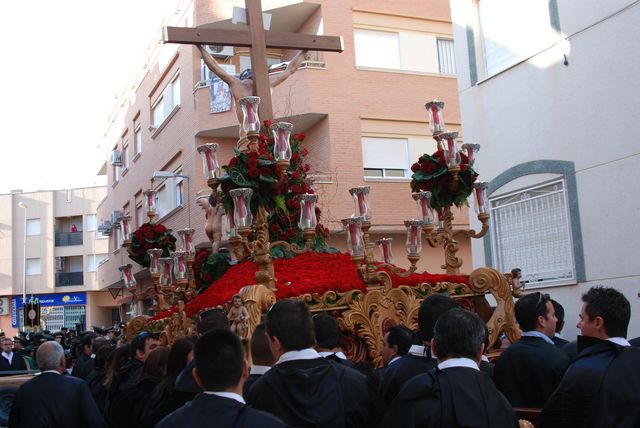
[(600, 388), (528, 371), (303, 388), (395, 344), (220, 370), (261, 355), (455, 393), (418, 359), (558, 340)]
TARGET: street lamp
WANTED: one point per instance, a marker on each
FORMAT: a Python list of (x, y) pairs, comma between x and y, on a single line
[(169, 174), (24, 252)]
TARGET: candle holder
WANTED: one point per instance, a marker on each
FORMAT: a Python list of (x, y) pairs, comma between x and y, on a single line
[(186, 236), (385, 245), (281, 132), (242, 216), (127, 276), (210, 166), (361, 199), (150, 203), (250, 118), (154, 264), (436, 116), (125, 231)]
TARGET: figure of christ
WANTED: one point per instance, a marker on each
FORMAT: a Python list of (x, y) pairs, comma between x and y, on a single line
[(213, 227), (239, 317), (243, 86)]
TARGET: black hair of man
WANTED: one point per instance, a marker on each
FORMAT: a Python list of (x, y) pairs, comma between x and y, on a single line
[(559, 310), (528, 308), (401, 337), (219, 359), (213, 319), (290, 321), (260, 351), (431, 308), (459, 334), (86, 340), (327, 331), (98, 343), (612, 306), (139, 342)]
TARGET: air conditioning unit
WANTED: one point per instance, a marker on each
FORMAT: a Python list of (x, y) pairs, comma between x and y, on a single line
[(105, 228), (4, 306), (59, 263), (218, 50), (116, 158), (116, 216)]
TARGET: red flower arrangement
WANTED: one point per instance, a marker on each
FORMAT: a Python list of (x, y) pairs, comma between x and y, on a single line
[(149, 236), (257, 170), (307, 273), (208, 267), (431, 174)]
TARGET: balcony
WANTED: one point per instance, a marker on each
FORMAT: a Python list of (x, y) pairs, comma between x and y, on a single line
[(64, 239), (65, 279)]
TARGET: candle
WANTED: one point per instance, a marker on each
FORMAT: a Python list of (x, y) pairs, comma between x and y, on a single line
[(362, 207), (434, 112)]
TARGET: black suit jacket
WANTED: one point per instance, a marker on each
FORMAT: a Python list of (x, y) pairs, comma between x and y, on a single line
[(53, 400), (208, 410), (453, 397), (528, 371), (599, 389), (408, 366), (17, 363)]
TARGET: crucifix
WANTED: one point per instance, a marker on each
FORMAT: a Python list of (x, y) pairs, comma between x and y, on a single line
[(258, 40)]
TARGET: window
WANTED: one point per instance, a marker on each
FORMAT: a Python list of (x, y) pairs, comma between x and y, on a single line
[(137, 137), (33, 227), (245, 62), (116, 163), (139, 214), (446, 57), (90, 222), (385, 157), (69, 195), (378, 49), (166, 102), (125, 156), (94, 260), (512, 31), (531, 229), (179, 192), (116, 238), (33, 267)]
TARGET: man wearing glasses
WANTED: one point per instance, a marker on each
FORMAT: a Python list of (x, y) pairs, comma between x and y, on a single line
[(528, 371)]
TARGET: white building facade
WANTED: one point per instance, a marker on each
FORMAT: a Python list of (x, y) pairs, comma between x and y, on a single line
[(550, 90)]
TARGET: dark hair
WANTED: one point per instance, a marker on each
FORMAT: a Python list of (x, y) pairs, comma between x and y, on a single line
[(102, 356), (85, 340), (529, 308), (115, 361), (459, 334), (260, 351), (98, 343), (178, 355), (155, 366), (401, 337), (140, 341), (559, 310), (327, 331), (290, 321), (246, 74), (431, 308), (515, 271), (612, 306), (219, 359), (212, 320)]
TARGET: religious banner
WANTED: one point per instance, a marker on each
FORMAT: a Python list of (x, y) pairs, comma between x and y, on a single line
[(220, 96)]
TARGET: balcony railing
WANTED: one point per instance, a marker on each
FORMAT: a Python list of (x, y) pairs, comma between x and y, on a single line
[(64, 239), (64, 279)]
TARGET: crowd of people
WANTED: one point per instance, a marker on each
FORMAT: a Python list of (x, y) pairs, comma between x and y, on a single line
[(300, 376)]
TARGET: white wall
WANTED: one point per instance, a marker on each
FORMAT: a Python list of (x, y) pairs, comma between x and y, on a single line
[(585, 112)]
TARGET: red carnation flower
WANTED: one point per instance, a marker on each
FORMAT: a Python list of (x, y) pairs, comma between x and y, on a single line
[(254, 172), (265, 171), (295, 156), (267, 123), (295, 175), (252, 162), (415, 167), (233, 161), (299, 137), (305, 152)]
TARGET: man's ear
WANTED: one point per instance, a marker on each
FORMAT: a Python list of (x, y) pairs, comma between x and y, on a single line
[(245, 370), (197, 378), (394, 348), (434, 351), (275, 345), (599, 323)]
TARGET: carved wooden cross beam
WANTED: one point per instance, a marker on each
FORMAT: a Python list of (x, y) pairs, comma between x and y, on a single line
[(258, 40)]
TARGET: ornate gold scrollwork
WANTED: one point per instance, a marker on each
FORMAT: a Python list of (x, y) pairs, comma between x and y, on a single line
[(486, 279), (377, 309), (330, 300), (135, 326), (257, 299)]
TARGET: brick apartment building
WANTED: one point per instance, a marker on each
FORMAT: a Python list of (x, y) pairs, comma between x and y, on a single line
[(362, 112)]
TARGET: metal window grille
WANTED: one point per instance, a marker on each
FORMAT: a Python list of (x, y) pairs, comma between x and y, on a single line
[(531, 230), (446, 57)]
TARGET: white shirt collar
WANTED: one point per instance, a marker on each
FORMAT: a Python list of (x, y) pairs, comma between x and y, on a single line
[(485, 358), (394, 359), (258, 369), (458, 362), (303, 354), (619, 341), (225, 394), (538, 334), (556, 334), (338, 354), (51, 371)]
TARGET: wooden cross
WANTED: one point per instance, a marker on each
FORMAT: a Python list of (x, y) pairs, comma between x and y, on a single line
[(258, 40)]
